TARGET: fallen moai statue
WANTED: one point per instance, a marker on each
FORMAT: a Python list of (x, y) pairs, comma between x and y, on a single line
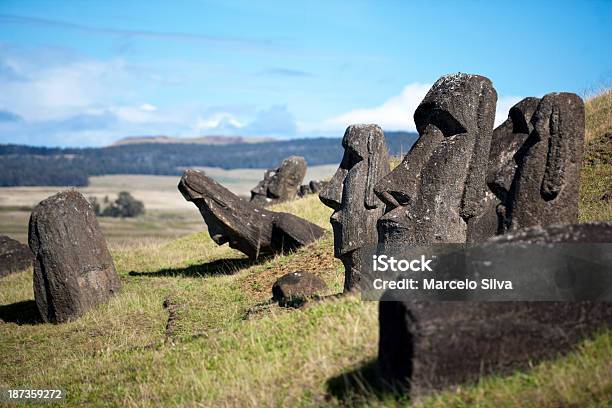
[(350, 193), (427, 346), (245, 226), (313, 187), (280, 184), (14, 256), (73, 269)]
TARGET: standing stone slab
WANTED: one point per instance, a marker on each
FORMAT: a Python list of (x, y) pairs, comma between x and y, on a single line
[(14, 256), (351, 194), (440, 184), (246, 226), (280, 184), (73, 270), (546, 187)]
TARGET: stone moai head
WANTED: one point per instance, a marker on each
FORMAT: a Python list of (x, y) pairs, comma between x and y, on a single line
[(229, 218), (282, 183), (351, 195), (440, 184), (546, 186), (506, 143)]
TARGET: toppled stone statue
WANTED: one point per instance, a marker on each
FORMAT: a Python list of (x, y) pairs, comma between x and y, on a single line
[(546, 186), (427, 346), (294, 288), (313, 187), (280, 184), (505, 144), (14, 256), (439, 186), (245, 226), (73, 269), (350, 193)]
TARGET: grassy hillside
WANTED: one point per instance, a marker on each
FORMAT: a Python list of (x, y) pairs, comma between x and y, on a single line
[(218, 342)]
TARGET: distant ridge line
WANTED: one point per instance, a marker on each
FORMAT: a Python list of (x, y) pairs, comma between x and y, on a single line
[(208, 140)]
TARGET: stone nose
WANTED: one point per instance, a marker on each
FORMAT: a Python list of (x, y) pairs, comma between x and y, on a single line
[(391, 192), (331, 195)]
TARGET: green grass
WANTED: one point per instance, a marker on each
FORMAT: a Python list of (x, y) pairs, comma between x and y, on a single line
[(227, 345)]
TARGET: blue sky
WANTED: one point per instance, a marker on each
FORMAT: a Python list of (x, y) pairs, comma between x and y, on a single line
[(76, 73)]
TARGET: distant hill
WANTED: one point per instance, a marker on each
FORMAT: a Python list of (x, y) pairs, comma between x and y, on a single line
[(42, 166), (209, 140)]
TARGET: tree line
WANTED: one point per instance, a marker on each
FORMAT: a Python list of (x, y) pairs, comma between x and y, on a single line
[(22, 165)]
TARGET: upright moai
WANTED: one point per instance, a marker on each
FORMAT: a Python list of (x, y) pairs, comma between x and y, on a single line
[(73, 269), (506, 143), (350, 193), (433, 194), (440, 184), (280, 184), (545, 190)]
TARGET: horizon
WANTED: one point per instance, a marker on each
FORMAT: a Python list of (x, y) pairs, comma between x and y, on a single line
[(75, 76)]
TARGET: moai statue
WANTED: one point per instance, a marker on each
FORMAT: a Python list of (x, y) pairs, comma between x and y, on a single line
[(508, 138), (73, 269), (280, 184), (351, 194), (440, 184), (433, 194), (545, 190), (245, 226)]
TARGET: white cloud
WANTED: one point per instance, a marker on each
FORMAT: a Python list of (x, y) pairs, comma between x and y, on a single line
[(219, 122), (148, 107), (396, 113)]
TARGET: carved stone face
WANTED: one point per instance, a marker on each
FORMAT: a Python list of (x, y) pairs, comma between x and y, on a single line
[(438, 186), (229, 219), (350, 191)]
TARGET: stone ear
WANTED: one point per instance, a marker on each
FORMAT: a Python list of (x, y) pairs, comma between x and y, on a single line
[(371, 201)]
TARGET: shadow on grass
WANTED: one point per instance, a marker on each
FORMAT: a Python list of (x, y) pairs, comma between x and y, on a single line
[(218, 267), (360, 386), (24, 312)]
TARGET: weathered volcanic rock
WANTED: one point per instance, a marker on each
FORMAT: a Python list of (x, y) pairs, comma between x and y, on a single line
[(350, 193), (438, 344), (440, 184), (280, 184), (546, 186), (73, 270), (297, 286), (245, 226), (313, 187), (14, 256), (435, 192), (588, 232), (427, 346), (506, 142)]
